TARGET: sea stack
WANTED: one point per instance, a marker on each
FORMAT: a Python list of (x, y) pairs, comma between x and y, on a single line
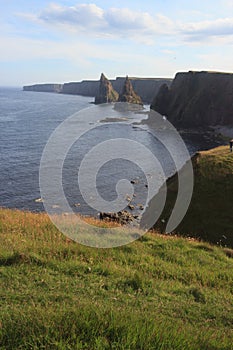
[(106, 92), (197, 99), (128, 94)]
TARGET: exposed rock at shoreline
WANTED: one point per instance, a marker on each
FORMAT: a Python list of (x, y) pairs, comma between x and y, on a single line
[(128, 94), (122, 217), (197, 99), (106, 93)]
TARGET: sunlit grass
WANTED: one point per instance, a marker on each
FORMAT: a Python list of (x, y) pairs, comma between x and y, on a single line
[(159, 292)]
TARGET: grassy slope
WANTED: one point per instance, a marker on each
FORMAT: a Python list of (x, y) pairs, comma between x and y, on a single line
[(156, 293), (210, 215)]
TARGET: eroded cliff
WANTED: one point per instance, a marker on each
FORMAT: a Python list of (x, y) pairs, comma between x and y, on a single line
[(197, 99)]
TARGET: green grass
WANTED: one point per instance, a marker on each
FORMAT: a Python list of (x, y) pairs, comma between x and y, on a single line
[(159, 292), (210, 215)]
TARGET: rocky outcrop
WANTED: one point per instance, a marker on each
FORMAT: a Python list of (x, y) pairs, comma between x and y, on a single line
[(122, 217), (146, 88), (106, 93), (197, 99), (128, 94), (44, 88)]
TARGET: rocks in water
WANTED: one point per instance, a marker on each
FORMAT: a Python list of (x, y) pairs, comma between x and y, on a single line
[(106, 92), (134, 182), (131, 206), (128, 94), (122, 217)]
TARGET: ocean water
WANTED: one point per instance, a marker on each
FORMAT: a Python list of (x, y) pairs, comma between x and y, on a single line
[(27, 120)]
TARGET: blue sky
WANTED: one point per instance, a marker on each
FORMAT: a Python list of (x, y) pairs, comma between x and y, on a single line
[(72, 40)]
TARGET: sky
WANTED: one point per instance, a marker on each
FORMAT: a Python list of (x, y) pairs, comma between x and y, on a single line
[(71, 40)]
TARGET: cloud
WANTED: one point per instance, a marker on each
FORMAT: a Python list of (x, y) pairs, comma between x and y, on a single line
[(81, 16), (207, 29), (142, 27), (112, 22)]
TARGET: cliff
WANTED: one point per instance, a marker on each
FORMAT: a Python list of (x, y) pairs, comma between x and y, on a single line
[(44, 88), (197, 99), (128, 94), (84, 88), (146, 88), (106, 93), (209, 216)]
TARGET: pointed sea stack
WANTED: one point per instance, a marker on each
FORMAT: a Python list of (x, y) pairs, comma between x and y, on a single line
[(106, 92), (128, 94)]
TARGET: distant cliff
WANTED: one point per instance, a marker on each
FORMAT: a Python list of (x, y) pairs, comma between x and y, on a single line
[(197, 99), (146, 88), (44, 88), (106, 93), (84, 88)]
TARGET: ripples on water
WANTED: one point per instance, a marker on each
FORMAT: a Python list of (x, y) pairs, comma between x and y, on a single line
[(27, 119)]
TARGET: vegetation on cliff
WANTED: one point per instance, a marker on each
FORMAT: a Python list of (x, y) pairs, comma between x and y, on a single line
[(197, 99), (106, 92), (159, 292), (210, 214)]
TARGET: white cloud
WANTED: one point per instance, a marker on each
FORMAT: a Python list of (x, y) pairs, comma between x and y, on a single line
[(89, 19), (83, 15), (112, 22), (218, 27)]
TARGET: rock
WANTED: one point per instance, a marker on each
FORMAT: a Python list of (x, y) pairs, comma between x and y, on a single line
[(122, 217), (128, 94), (77, 204), (106, 92), (197, 99), (131, 206), (39, 200), (134, 182), (128, 198), (140, 206)]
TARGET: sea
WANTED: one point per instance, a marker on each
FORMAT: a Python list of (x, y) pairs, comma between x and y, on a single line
[(27, 121)]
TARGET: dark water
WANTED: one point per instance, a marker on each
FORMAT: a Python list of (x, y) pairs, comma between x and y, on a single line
[(27, 119)]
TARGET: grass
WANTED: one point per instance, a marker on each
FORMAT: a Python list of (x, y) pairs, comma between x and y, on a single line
[(160, 292), (210, 215)]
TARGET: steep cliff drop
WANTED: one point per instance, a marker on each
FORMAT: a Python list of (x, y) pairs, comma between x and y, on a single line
[(128, 94), (197, 99), (106, 92)]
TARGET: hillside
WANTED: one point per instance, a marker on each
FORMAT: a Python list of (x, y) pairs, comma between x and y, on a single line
[(159, 292), (197, 99), (210, 215)]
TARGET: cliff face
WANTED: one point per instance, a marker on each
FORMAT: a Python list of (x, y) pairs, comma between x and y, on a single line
[(197, 99), (106, 92), (128, 94), (84, 88), (44, 88), (146, 88)]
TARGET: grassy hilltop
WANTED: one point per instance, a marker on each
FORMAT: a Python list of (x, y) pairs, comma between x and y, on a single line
[(160, 292), (210, 214), (156, 293)]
